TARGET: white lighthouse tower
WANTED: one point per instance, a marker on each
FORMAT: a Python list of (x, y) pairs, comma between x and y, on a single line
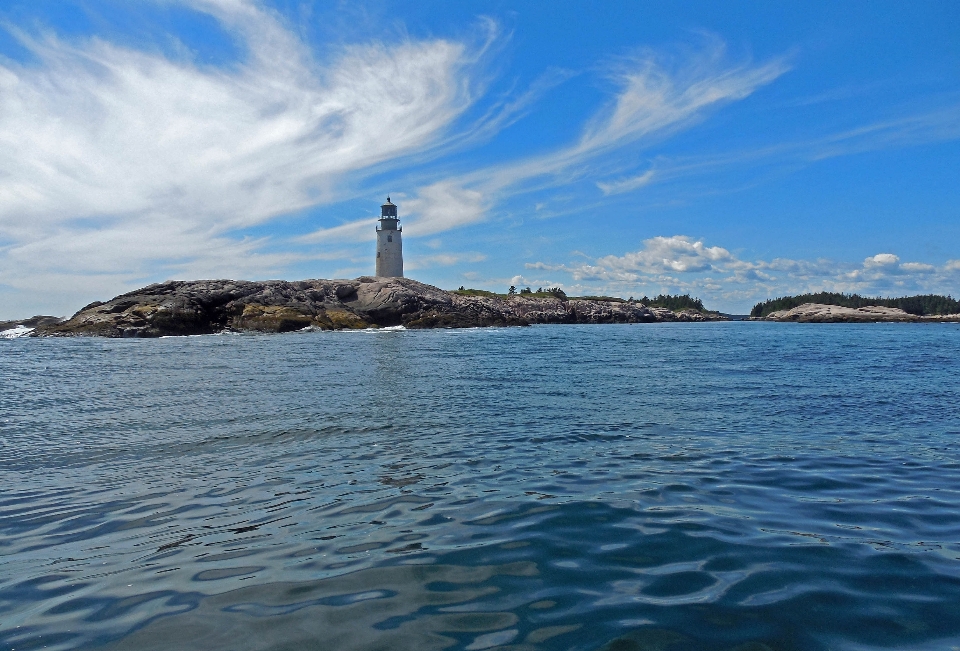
[(389, 245)]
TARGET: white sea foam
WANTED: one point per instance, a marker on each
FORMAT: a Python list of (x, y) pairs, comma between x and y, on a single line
[(13, 333), (372, 329)]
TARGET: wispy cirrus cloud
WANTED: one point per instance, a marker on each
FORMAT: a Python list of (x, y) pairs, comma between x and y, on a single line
[(626, 185), (434, 209), (653, 100), (919, 128), (444, 260), (99, 129), (121, 163)]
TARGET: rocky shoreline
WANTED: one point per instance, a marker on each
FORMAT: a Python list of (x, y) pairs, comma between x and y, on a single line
[(818, 313), (212, 306)]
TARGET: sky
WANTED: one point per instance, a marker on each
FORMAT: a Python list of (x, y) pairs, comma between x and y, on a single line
[(736, 151)]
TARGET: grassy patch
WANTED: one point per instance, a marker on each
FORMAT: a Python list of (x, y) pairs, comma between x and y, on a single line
[(477, 292)]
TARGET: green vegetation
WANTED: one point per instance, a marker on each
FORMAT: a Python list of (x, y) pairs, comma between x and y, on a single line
[(549, 292), (608, 299), (526, 292), (923, 305), (675, 303), (670, 302)]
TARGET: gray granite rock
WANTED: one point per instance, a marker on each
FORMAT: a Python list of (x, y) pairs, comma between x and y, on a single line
[(817, 313), (209, 306)]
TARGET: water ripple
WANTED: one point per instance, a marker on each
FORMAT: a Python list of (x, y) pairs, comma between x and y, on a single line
[(615, 487)]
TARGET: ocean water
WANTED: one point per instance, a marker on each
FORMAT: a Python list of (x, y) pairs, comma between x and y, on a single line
[(728, 486)]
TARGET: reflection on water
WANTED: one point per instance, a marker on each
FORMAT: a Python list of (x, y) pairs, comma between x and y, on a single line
[(721, 486), (419, 606)]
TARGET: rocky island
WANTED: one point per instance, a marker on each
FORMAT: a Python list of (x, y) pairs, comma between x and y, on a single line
[(211, 306), (831, 307), (818, 313)]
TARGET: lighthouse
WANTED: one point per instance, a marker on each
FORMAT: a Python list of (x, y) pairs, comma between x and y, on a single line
[(389, 245)]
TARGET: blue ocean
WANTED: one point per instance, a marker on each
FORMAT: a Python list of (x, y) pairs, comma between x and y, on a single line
[(723, 486)]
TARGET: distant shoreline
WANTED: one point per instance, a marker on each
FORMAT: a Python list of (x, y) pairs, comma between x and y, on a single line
[(821, 313), (180, 308)]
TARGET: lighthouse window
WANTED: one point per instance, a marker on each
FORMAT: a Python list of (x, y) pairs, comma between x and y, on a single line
[(389, 238), (378, 254)]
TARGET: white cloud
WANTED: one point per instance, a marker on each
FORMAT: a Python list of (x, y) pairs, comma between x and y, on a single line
[(918, 267), (881, 260), (434, 209), (103, 130), (666, 254), (443, 260), (939, 125), (652, 101), (113, 160), (442, 206), (626, 185), (684, 264), (361, 230)]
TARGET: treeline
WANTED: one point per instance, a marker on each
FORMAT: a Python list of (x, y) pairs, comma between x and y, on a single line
[(668, 301), (922, 305), (675, 303)]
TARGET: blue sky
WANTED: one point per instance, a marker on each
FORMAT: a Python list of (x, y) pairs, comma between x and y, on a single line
[(737, 151)]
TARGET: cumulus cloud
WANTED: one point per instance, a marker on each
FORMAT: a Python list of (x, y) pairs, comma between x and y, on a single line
[(683, 264), (659, 255), (881, 260), (665, 254)]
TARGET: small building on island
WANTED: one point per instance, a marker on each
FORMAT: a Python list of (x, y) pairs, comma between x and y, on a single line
[(389, 244)]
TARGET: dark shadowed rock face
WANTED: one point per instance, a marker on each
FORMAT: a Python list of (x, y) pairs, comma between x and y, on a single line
[(209, 306)]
